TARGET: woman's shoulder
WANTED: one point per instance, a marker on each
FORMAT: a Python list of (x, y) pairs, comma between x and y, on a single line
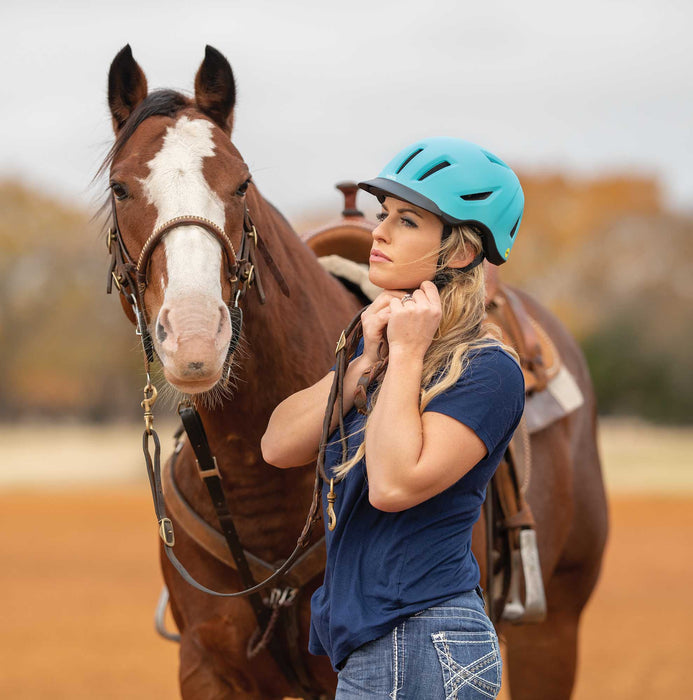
[(494, 357)]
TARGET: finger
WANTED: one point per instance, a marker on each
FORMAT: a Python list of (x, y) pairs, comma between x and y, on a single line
[(420, 298), (395, 305), (383, 300), (431, 292)]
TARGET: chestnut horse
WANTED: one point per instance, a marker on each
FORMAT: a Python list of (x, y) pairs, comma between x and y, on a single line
[(173, 157)]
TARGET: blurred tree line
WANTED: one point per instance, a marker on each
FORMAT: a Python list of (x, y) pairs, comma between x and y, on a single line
[(602, 254), (66, 349)]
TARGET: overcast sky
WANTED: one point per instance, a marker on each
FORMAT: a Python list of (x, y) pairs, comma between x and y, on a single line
[(330, 91)]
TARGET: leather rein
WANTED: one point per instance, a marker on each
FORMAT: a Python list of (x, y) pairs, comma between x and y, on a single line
[(130, 278)]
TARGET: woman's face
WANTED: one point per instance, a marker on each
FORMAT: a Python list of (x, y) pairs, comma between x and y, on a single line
[(406, 245)]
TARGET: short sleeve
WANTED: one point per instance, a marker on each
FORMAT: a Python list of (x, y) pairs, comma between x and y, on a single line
[(489, 397)]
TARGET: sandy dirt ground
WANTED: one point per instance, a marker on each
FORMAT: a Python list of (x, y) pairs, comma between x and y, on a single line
[(79, 581)]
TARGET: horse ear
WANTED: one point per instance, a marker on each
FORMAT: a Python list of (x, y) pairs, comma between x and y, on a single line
[(127, 87), (215, 89)]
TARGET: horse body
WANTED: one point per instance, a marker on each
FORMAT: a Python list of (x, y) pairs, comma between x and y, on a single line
[(173, 157), (567, 498)]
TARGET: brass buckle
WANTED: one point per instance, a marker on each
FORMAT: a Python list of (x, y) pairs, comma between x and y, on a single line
[(340, 343), (253, 233), (110, 239), (118, 279), (166, 532), (208, 473)]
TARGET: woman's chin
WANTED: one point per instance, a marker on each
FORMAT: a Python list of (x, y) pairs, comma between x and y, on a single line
[(392, 281)]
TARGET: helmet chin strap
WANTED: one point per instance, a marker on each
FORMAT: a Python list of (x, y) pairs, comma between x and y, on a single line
[(477, 261)]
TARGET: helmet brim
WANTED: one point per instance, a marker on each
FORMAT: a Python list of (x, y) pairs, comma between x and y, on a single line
[(383, 187)]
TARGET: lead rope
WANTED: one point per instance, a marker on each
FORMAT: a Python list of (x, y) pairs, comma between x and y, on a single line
[(346, 346)]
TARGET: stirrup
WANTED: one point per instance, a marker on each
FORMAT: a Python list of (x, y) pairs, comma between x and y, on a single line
[(525, 561)]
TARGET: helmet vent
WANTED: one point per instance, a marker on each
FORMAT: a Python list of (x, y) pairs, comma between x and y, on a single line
[(494, 159), (477, 196), (512, 233), (406, 162), (434, 169)]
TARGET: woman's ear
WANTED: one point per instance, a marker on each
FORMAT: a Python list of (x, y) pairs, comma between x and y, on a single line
[(461, 260)]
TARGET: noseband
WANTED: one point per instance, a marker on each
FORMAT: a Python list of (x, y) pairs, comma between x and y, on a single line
[(240, 270)]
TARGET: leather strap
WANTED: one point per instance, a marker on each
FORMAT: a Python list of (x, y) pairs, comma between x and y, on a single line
[(209, 473), (309, 565)]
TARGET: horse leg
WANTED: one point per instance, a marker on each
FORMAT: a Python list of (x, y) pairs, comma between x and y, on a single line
[(204, 675), (542, 659)]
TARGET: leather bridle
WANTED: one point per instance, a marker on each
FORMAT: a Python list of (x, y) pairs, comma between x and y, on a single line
[(240, 270)]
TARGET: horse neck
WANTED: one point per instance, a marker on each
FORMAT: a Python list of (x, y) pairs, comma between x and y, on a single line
[(287, 343)]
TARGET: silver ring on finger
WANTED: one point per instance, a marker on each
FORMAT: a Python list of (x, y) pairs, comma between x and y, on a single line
[(408, 297)]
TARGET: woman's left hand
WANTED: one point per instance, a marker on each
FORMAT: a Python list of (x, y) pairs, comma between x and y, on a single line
[(414, 321)]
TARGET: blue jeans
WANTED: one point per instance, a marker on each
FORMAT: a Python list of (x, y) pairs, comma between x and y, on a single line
[(447, 652)]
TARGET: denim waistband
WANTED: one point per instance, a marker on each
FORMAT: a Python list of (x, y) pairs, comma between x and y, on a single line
[(473, 598)]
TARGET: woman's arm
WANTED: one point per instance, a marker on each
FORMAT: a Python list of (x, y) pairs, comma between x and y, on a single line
[(292, 437), (411, 458)]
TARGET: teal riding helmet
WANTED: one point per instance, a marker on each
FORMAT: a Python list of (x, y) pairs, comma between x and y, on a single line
[(462, 184)]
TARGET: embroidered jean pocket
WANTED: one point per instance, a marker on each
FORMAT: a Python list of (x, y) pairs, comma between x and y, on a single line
[(470, 662)]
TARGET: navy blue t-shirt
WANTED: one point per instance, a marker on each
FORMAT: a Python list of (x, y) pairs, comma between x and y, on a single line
[(383, 567)]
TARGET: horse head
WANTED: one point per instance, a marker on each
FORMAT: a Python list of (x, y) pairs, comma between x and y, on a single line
[(179, 192)]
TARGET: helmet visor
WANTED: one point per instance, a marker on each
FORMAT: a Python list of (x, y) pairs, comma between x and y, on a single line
[(383, 187)]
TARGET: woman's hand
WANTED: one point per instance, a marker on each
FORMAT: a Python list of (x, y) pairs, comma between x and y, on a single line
[(412, 323), (374, 321)]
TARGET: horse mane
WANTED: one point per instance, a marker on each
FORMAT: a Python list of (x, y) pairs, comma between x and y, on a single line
[(165, 103)]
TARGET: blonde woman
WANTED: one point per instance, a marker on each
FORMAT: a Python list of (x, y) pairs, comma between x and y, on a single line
[(401, 613)]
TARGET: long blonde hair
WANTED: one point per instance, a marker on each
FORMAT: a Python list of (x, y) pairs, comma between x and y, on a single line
[(462, 328)]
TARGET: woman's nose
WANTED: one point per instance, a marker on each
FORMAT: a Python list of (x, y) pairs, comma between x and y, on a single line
[(380, 232)]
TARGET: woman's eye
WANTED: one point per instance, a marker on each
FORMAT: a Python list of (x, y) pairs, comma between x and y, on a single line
[(381, 216), (243, 188), (408, 222), (119, 191)]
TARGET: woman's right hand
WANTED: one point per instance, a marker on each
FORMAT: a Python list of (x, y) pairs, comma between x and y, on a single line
[(374, 321)]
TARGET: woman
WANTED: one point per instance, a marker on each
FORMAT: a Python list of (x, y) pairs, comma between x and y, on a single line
[(400, 612)]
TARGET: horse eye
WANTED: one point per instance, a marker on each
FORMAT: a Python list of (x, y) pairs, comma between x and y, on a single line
[(243, 188), (120, 191)]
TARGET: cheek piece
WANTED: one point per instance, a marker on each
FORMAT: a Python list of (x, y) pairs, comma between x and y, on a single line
[(445, 275)]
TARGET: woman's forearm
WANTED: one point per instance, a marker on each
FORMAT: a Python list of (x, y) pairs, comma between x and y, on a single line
[(394, 436), (292, 437)]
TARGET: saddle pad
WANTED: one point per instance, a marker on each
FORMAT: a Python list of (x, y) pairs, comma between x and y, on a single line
[(356, 273), (561, 396)]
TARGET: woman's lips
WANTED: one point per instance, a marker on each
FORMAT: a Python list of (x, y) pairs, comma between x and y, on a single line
[(377, 256)]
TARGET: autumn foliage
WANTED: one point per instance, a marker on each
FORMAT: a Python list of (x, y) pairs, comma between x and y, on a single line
[(603, 254)]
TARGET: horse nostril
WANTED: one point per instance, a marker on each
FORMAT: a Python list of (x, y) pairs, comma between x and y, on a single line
[(163, 325), (196, 365)]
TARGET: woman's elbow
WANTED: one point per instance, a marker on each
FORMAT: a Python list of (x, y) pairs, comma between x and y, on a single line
[(280, 455), (387, 500), (270, 451)]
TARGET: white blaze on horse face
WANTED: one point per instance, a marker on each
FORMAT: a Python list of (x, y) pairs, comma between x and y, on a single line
[(176, 187), (192, 329)]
